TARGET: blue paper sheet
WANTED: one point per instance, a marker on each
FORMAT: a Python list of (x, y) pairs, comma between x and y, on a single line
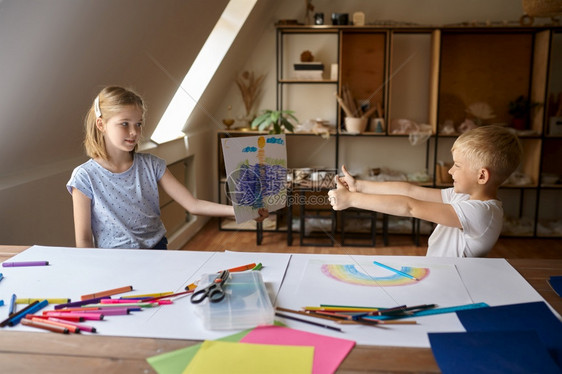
[(535, 316), (556, 284), (491, 352)]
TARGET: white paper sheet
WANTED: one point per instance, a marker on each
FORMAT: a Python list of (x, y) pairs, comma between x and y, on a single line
[(353, 281), (73, 272), (492, 281)]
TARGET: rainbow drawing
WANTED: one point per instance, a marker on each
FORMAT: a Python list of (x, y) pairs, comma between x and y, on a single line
[(349, 274)]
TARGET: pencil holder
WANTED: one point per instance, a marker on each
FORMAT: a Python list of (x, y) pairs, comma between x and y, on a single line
[(355, 125)]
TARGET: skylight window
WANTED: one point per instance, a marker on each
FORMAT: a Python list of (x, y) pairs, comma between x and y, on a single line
[(204, 67)]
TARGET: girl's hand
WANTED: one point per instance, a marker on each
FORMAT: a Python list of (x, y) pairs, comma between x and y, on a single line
[(339, 198), (347, 180), (264, 213)]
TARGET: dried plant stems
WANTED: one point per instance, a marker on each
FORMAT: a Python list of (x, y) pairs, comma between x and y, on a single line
[(351, 109), (250, 88)]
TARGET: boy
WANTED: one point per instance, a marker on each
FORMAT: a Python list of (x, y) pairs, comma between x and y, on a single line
[(469, 215)]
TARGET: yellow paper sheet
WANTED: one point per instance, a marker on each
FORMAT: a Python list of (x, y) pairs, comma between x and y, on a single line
[(226, 357)]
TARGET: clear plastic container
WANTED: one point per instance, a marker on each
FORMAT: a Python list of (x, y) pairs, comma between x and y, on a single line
[(245, 305)]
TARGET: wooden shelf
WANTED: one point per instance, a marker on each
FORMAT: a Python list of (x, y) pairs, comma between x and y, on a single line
[(427, 74)]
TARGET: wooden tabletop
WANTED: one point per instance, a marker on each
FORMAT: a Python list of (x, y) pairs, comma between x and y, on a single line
[(30, 352)]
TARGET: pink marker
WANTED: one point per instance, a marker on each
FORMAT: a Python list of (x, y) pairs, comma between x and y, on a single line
[(116, 301), (86, 316), (109, 311)]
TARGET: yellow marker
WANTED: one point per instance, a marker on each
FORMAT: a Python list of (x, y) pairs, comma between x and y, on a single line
[(50, 301)]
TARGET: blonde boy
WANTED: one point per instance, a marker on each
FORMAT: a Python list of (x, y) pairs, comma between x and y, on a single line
[(468, 215)]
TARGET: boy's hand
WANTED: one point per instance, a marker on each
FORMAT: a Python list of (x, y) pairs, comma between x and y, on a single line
[(264, 213), (347, 180), (339, 198)]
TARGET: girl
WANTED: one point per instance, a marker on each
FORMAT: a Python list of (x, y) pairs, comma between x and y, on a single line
[(115, 193)]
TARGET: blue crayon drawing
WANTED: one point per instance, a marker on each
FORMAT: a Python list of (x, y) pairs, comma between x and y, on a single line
[(256, 169), (256, 182)]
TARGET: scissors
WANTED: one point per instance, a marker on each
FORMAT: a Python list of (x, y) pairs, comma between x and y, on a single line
[(214, 291)]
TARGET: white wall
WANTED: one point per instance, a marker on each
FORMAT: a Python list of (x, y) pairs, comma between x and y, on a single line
[(55, 56), (427, 12)]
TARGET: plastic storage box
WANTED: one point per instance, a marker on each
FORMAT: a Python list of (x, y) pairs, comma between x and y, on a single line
[(245, 305)]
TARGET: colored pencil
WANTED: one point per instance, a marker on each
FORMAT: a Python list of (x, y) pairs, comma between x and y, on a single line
[(395, 270), (310, 314), (147, 295), (172, 295), (340, 309), (111, 292), (349, 306), (307, 321)]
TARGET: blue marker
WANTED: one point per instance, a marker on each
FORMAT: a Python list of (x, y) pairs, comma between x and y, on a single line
[(13, 305), (18, 317), (1, 276)]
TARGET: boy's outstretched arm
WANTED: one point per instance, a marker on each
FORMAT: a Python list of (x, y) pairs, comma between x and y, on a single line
[(397, 205), (390, 188), (185, 198)]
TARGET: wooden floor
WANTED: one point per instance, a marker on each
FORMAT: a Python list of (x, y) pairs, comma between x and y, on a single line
[(210, 238)]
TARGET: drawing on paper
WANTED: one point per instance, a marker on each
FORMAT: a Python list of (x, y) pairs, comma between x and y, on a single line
[(256, 168), (351, 275)]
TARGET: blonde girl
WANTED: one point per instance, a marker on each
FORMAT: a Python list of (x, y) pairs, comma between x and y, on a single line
[(115, 193)]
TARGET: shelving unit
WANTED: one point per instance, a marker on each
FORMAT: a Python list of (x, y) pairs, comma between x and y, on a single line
[(428, 75)]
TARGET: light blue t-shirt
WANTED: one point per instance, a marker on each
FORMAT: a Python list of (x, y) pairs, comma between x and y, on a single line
[(125, 206)]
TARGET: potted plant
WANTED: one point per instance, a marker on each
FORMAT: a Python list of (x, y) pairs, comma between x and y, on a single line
[(275, 120), (520, 109)]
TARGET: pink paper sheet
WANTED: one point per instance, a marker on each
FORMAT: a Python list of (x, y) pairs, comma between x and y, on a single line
[(329, 352)]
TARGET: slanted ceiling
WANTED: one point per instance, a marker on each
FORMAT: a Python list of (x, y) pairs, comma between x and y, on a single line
[(57, 54)]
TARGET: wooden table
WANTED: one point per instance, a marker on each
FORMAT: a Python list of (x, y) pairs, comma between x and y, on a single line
[(30, 352)]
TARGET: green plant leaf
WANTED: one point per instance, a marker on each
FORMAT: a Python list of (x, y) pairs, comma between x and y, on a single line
[(258, 120), (265, 124)]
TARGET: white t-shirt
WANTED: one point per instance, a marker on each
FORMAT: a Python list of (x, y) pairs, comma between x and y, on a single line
[(481, 223), (125, 206)]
